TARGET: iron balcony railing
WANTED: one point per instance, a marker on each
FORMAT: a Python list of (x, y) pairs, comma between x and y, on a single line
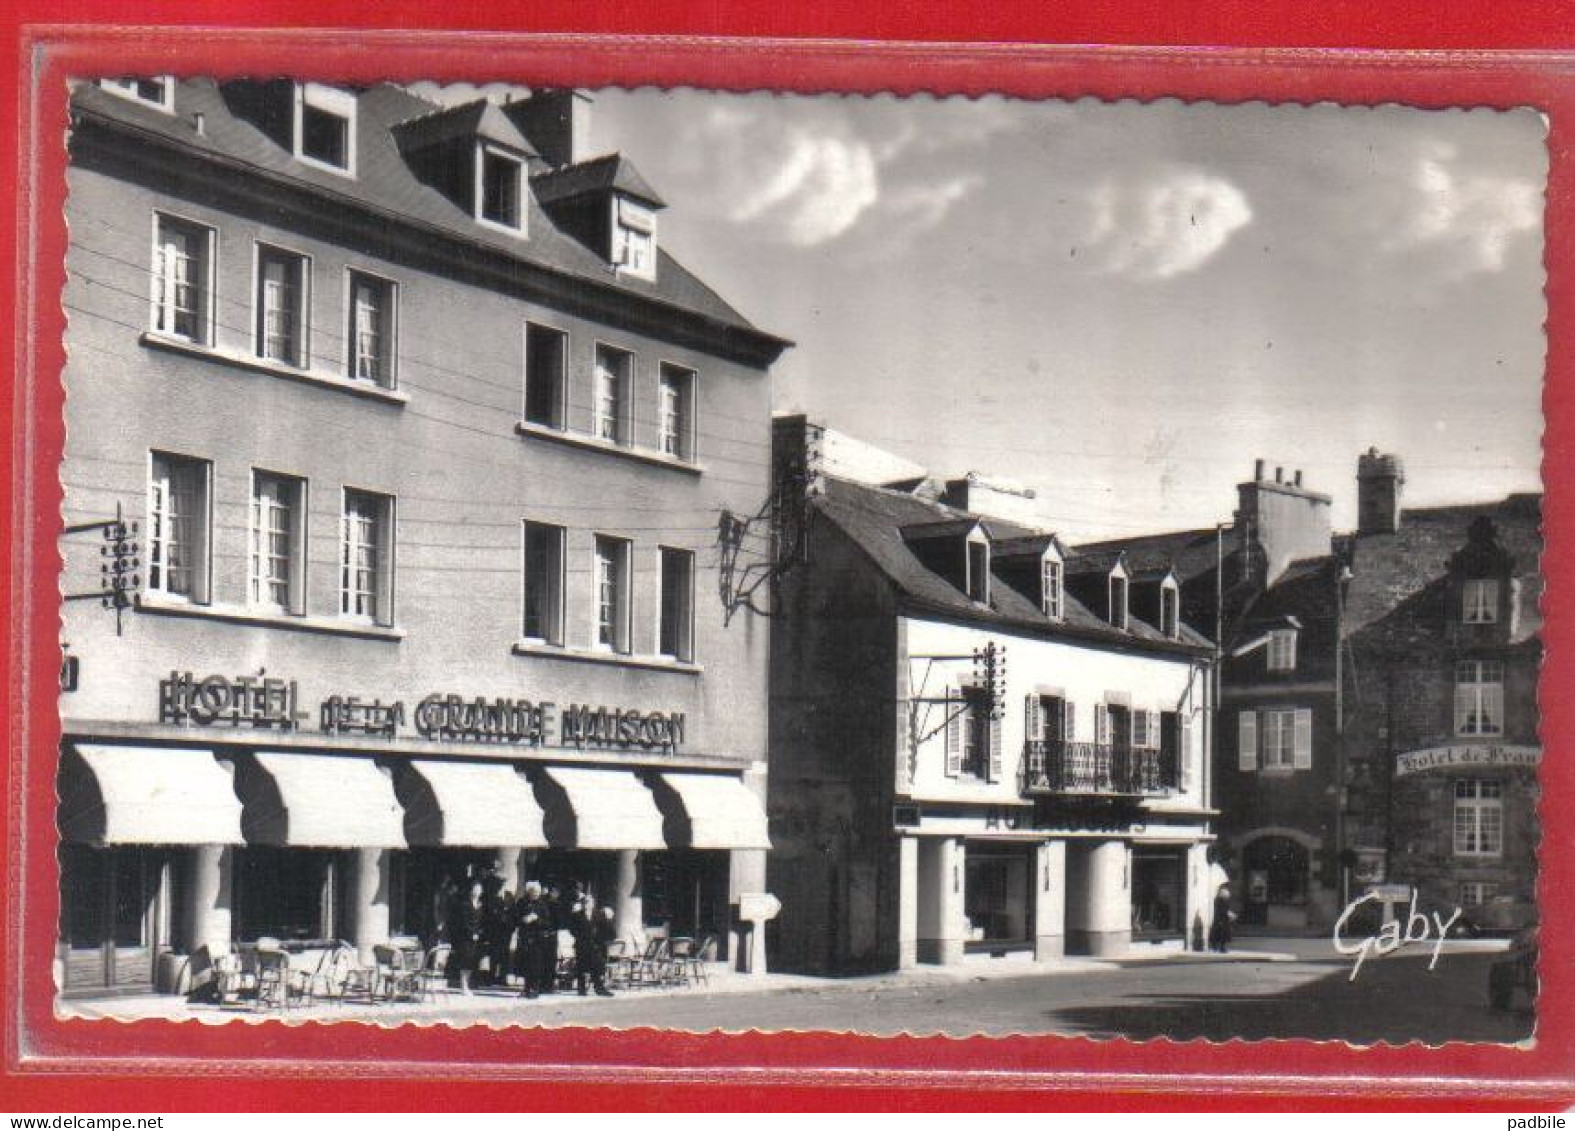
[(1091, 768)]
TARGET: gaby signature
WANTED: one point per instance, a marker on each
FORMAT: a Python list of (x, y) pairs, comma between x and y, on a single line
[(1391, 936)]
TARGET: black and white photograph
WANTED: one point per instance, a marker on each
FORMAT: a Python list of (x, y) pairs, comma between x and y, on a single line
[(620, 558)]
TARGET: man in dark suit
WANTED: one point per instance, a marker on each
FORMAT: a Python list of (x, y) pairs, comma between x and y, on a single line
[(593, 929), (538, 941)]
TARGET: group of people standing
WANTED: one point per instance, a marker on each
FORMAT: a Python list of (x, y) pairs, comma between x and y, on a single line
[(497, 937)]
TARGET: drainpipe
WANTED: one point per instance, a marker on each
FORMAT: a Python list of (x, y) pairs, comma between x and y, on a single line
[(1339, 738)]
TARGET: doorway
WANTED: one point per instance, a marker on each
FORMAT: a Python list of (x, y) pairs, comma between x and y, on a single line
[(111, 917)]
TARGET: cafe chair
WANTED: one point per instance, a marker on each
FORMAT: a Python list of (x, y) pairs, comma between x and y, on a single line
[(694, 957), (276, 987), (650, 968), (433, 978), (618, 963), (396, 977)]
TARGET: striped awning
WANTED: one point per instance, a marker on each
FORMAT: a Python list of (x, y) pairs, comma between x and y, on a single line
[(314, 800), (146, 795), (602, 809), (719, 811), (469, 805)]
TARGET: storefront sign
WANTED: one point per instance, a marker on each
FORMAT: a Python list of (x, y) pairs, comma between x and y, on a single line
[(1450, 757), (1390, 893), (217, 700), (341, 715)]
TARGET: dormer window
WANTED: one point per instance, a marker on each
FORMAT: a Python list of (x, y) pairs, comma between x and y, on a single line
[(979, 571), (325, 127), (1479, 601), (1169, 611), (1282, 650), (634, 238), (158, 91), (498, 189), (1051, 601), (1118, 600)]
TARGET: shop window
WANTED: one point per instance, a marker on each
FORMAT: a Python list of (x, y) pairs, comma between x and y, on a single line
[(677, 412), (284, 893), (614, 376), (544, 564), (283, 280), (676, 637), (325, 127), (157, 91), (277, 550), (499, 189), (1479, 818), (373, 307), (1479, 601), (366, 559), (546, 374), (179, 524), (1479, 697), (612, 594), (183, 279)]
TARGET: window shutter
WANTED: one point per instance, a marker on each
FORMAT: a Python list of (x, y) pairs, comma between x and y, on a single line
[(1303, 752), (1247, 741), (1153, 730), (1101, 724), (1069, 711), (1184, 751), (1033, 720), (997, 752), (954, 725)]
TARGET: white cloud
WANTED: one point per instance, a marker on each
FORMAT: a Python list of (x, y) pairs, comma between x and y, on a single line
[(921, 206), (1163, 225), (1473, 216), (819, 188)]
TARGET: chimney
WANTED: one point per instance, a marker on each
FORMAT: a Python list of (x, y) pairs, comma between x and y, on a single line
[(1380, 480), (1279, 522), (556, 122)]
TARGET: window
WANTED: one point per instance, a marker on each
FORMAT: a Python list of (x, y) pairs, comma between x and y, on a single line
[(325, 127), (285, 893), (544, 562), (614, 370), (634, 238), (182, 278), (1118, 601), (612, 594), (677, 412), (675, 637), (1282, 650), (1479, 818), (498, 189), (277, 542), (973, 733), (366, 558), (1169, 618), (1140, 730), (1479, 697), (546, 353), (1479, 602), (371, 336), (156, 91), (1474, 893), (1276, 739), (179, 510), (1050, 588), (282, 281), (979, 572)]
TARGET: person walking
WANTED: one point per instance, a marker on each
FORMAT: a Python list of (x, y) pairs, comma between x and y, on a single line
[(1219, 929), (592, 929)]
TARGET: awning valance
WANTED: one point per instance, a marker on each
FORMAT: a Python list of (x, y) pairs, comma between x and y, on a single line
[(146, 795), (469, 805), (718, 811), (606, 809), (312, 800)]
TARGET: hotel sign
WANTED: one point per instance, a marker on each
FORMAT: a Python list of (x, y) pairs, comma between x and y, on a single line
[(1473, 756), (257, 702)]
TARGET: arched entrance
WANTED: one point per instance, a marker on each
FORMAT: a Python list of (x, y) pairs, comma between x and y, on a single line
[(1276, 874)]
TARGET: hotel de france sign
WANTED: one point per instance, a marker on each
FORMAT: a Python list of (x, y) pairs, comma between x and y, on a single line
[(1474, 756)]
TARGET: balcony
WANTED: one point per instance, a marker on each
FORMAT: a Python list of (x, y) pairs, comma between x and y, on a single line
[(1087, 768)]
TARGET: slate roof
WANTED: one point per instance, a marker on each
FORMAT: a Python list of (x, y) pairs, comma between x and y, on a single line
[(1191, 553), (611, 172), (384, 182), (875, 517), (1389, 569), (454, 123)]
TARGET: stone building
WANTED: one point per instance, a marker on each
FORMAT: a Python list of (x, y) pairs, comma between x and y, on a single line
[(425, 435), (981, 744)]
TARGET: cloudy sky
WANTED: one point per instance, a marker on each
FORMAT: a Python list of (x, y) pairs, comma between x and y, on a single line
[(1123, 305)]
